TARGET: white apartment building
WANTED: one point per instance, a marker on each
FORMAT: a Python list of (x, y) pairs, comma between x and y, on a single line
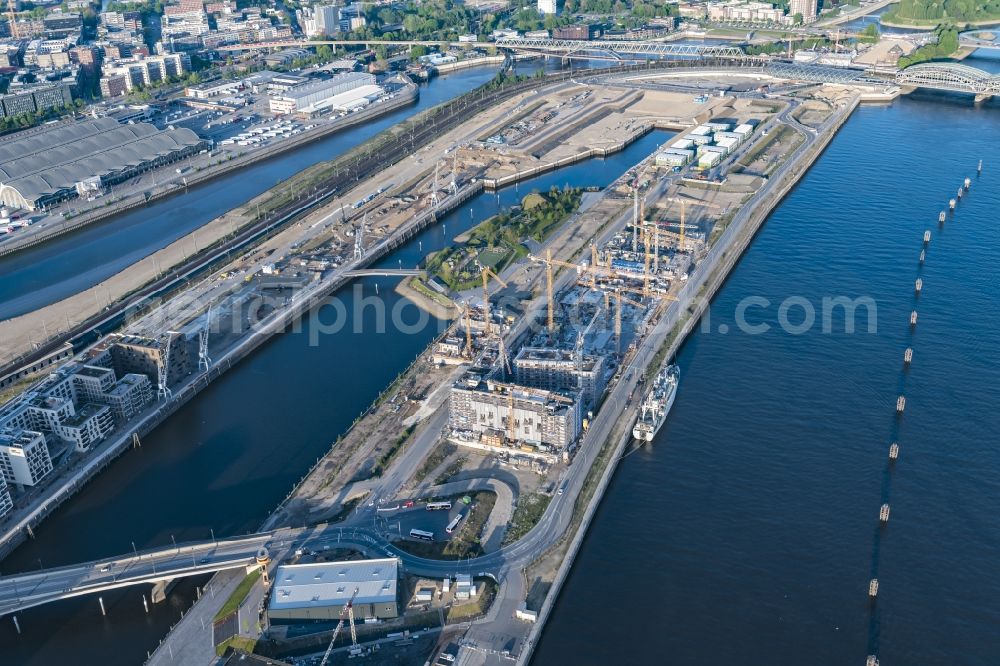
[(24, 457), (546, 7)]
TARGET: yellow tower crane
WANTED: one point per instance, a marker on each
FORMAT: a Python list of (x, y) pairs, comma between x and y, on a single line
[(486, 294), (12, 18)]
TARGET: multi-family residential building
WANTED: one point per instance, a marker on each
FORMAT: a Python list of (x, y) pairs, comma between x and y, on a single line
[(6, 503), (550, 420), (24, 457), (561, 370)]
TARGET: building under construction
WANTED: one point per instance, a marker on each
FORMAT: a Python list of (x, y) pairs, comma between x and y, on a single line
[(561, 370), (497, 411)]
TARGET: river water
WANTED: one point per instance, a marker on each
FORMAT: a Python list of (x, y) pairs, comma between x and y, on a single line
[(226, 459), (748, 532), (52, 271)]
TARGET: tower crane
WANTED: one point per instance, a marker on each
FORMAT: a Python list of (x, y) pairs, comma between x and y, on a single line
[(454, 173), (346, 611), (618, 317), (434, 192), (468, 332), (487, 273), (548, 290), (12, 18)]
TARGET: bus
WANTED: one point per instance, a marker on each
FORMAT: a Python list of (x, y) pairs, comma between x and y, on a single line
[(453, 524), (438, 506), (420, 534)]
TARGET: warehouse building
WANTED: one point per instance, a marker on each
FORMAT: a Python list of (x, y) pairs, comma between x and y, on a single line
[(309, 592), (43, 168), (299, 98)]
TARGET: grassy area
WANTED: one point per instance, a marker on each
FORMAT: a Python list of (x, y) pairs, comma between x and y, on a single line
[(386, 458), (464, 543), (17, 387), (464, 612), (418, 285), (238, 595), (237, 642), (527, 513), (432, 461), (451, 470), (345, 509), (499, 240)]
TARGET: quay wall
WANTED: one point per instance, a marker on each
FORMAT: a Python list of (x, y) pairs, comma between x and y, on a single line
[(731, 246), (408, 96)]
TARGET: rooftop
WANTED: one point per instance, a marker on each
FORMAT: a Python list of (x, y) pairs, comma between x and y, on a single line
[(333, 583), (55, 159)]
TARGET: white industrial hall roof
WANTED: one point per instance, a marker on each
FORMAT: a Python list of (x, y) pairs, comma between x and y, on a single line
[(55, 159), (332, 583)]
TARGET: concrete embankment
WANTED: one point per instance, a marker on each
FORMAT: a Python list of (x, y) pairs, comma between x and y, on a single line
[(493, 184), (408, 96), (72, 480), (730, 247)]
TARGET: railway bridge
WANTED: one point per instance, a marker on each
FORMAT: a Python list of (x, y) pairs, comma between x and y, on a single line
[(950, 77)]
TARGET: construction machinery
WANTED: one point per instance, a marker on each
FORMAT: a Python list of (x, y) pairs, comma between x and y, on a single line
[(346, 612)]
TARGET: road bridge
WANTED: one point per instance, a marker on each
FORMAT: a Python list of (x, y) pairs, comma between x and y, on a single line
[(384, 272), (980, 39), (620, 48), (26, 590), (313, 43)]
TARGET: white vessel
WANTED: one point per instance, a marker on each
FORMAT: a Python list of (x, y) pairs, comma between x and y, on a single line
[(657, 403)]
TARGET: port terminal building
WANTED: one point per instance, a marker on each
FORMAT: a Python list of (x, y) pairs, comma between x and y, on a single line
[(320, 591)]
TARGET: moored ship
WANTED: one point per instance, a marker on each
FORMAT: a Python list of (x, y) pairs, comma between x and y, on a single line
[(657, 403)]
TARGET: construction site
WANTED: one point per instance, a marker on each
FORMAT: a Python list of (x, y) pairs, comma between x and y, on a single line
[(540, 325)]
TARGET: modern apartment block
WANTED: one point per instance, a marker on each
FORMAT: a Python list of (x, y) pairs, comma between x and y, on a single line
[(24, 457), (82, 405), (6, 503)]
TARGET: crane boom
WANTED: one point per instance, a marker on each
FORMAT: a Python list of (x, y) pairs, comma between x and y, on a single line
[(344, 612)]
